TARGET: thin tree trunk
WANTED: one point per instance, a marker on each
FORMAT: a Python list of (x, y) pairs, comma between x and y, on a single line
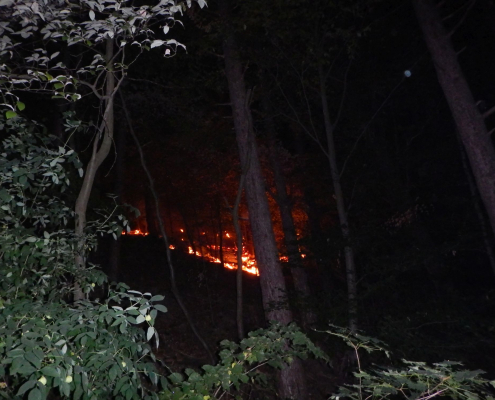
[(151, 218), (290, 237), (238, 239), (115, 246), (170, 218), (468, 119), (187, 230), (291, 379), (105, 137), (341, 210), (477, 207), (220, 237)]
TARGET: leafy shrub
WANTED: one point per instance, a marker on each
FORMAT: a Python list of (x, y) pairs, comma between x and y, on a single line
[(242, 363), (37, 240), (85, 350), (410, 380)]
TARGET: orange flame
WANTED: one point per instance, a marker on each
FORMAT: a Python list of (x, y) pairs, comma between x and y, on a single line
[(135, 232), (248, 261)]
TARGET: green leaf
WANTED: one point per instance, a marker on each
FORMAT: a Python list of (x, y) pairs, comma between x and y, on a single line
[(65, 389), (161, 308), (112, 374), (26, 369), (176, 378), (20, 106), (33, 359), (35, 394), (10, 114), (158, 297), (51, 371), (25, 387)]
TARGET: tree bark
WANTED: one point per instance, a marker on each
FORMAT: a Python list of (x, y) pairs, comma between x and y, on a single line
[(468, 119), (238, 240), (341, 210), (298, 272), (220, 235), (105, 137), (114, 263), (291, 379), (151, 217), (475, 199)]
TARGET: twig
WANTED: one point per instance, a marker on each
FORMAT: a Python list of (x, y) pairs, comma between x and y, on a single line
[(463, 18)]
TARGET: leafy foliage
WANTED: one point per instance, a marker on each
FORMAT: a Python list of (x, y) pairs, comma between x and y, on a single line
[(411, 380), (85, 350), (84, 23), (37, 242), (242, 363)]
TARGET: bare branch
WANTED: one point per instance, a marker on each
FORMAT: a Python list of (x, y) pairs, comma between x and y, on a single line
[(342, 99), (368, 125), (488, 112), (463, 18)]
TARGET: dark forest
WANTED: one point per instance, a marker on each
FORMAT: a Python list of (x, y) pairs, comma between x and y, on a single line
[(247, 200)]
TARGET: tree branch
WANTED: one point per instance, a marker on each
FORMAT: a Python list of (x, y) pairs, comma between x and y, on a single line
[(488, 112), (463, 18)]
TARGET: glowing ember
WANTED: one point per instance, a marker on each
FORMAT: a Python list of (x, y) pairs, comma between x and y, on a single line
[(135, 232), (171, 247), (227, 234), (248, 261)]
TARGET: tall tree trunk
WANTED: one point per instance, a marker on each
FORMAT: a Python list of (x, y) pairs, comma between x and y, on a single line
[(475, 199), (468, 119), (151, 217), (238, 240), (291, 379), (341, 210), (103, 139), (187, 229), (290, 236), (115, 246), (220, 234)]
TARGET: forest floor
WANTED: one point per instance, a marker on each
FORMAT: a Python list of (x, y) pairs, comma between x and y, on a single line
[(447, 317), (209, 293)]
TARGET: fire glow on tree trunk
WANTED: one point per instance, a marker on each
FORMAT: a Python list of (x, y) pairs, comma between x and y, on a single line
[(291, 379), (284, 203)]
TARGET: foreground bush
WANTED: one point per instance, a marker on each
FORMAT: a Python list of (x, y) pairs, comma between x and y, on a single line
[(84, 350), (409, 379), (242, 363)]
